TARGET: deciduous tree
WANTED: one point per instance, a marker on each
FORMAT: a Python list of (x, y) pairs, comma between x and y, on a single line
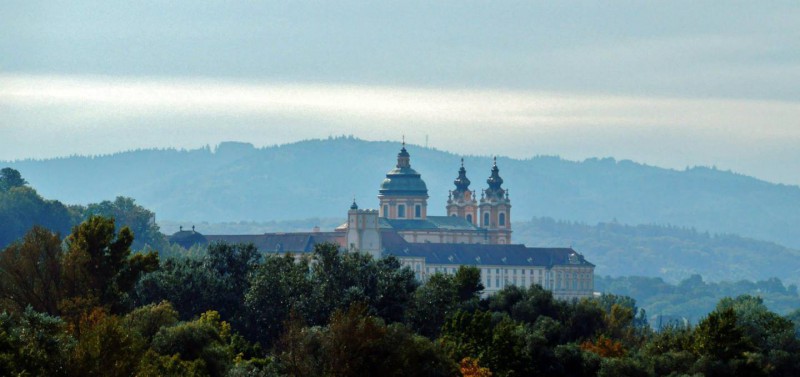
[(218, 279), (278, 287), (126, 213), (433, 302), (33, 344), (30, 272), (98, 264), (10, 178)]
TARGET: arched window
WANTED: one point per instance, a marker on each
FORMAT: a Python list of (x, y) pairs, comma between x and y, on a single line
[(501, 220), (485, 219), (417, 211), (385, 210), (469, 218), (401, 211)]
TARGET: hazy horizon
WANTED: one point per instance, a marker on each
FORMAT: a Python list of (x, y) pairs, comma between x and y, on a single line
[(411, 144), (673, 84)]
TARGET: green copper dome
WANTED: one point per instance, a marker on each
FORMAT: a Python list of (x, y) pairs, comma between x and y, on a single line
[(403, 180)]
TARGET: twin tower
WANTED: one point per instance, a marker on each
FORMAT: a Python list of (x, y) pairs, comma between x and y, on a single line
[(493, 210), (403, 199)]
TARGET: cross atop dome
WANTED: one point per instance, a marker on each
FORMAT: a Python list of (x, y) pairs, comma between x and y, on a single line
[(403, 158), (495, 181)]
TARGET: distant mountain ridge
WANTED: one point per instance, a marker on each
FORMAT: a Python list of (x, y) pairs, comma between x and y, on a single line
[(318, 178)]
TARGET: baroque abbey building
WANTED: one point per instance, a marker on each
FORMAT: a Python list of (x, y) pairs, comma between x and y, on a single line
[(474, 232)]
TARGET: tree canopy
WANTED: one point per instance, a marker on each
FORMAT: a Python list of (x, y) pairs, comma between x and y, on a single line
[(11, 178), (91, 306)]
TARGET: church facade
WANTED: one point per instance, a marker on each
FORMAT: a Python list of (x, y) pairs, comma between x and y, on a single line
[(474, 232)]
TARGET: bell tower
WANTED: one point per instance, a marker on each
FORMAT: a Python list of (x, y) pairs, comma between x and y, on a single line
[(461, 201), (495, 208)]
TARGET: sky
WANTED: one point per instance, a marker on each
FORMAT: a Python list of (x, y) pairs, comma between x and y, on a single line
[(671, 84)]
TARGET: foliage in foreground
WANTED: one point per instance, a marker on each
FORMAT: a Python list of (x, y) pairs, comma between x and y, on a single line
[(88, 306)]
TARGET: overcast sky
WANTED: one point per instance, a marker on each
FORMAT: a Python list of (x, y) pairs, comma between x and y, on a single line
[(673, 83)]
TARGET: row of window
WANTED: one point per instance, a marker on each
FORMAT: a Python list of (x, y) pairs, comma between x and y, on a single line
[(487, 271), (582, 284), (573, 284), (498, 278), (401, 211), (401, 214), (501, 218), (521, 281)]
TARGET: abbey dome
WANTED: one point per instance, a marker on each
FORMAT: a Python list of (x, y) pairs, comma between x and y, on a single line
[(403, 180)]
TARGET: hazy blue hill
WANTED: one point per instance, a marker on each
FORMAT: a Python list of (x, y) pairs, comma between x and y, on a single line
[(318, 178), (693, 298), (673, 253)]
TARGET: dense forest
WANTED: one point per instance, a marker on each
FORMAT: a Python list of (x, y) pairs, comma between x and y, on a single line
[(88, 305), (318, 178)]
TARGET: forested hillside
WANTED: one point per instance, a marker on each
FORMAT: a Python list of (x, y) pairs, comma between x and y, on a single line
[(673, 253), (22, 208), (318, 178), (693, 298)]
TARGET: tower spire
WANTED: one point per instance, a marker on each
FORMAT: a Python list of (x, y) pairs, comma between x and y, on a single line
[(462, 182), (461, 201), (495, 208), (494, 180), (403, 158)]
